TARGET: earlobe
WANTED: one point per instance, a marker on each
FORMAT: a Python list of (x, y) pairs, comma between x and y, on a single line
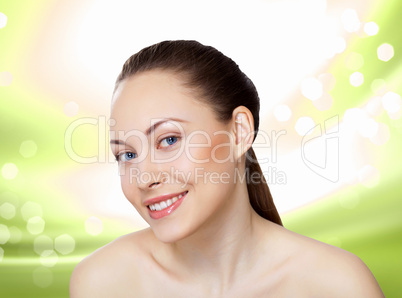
[(243, 128)]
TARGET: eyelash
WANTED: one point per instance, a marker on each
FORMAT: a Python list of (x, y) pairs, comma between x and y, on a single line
[(158, 146)]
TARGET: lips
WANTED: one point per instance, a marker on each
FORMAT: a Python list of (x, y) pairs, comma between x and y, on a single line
[(164, 205)]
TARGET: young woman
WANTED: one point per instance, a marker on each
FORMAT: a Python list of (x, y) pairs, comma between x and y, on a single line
[(185, 119)]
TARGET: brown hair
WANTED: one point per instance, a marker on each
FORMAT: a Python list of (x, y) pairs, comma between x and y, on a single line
[(222, 85)]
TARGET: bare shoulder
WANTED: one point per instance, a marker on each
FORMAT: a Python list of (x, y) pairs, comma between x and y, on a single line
[(327, 271), (104, 271)]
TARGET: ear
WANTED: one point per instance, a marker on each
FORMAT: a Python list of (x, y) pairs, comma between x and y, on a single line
[(243, 130)]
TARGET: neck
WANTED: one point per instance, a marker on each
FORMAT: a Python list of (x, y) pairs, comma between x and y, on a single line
[(225, 248)]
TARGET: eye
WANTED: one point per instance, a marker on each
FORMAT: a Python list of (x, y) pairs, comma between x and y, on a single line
[(166, 142), (125, 156)]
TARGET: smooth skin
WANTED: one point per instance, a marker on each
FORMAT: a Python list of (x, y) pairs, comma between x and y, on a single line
[(214, 244)]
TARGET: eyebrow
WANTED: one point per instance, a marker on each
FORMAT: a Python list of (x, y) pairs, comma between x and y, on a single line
[(150, 129)]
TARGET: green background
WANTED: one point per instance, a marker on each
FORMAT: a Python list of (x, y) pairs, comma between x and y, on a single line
[(370, 227)]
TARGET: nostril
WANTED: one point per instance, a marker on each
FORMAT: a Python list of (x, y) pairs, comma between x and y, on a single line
[(155, 184)]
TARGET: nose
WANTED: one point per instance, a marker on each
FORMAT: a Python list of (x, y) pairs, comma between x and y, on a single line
[(151, 175)]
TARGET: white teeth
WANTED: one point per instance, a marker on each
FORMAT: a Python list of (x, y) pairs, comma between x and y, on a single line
[(164, 204)]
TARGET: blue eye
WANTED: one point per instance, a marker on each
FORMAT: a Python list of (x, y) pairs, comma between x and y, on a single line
[(169, 141), (126, 156)]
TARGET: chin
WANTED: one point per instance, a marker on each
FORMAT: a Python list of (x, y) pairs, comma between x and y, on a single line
[(170, 233)]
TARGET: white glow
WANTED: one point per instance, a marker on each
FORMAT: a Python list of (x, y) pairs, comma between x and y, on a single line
[(282, 112), (6, 78), (385, 52), (71, 109), (28, 148), (93, 226), (3, 20), (374, 106), (368, 128), (35, 225), (382, 136), (7, 210), (354, 61), (340, 44), (395, 115), (9, 171), (64, 244), (350, 20), (369, 176), (324, 102), (356, 79), (304, 126), (354, 117), (371, 28), (392, 102), (328, 81), (311, 88), (1, 254)]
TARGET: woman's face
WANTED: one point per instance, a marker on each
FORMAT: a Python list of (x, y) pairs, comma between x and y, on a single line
[(176, 160)]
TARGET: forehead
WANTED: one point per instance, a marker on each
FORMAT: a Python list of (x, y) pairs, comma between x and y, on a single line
[(154, 95)]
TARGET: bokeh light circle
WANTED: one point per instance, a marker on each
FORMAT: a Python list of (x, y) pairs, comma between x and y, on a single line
[(328, 81), (385, 52), (356, 79), (350, 20), (31, 209), (382, 136), (324, 102), (4, 234), (311, 88), (282, 112), (7, 210), (371, 28), (368, 128), (374, 106), (28, 148), (9, 171), (49, 258), (391, 102), (42, 277), (64, 244), (35, 225), (304, 126), (1, 254), (43, 243)]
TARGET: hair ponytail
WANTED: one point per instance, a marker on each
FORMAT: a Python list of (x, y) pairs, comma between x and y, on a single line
[(259, 194), (219, 82)]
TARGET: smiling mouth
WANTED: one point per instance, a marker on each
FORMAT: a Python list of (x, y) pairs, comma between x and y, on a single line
[(165, 204)]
